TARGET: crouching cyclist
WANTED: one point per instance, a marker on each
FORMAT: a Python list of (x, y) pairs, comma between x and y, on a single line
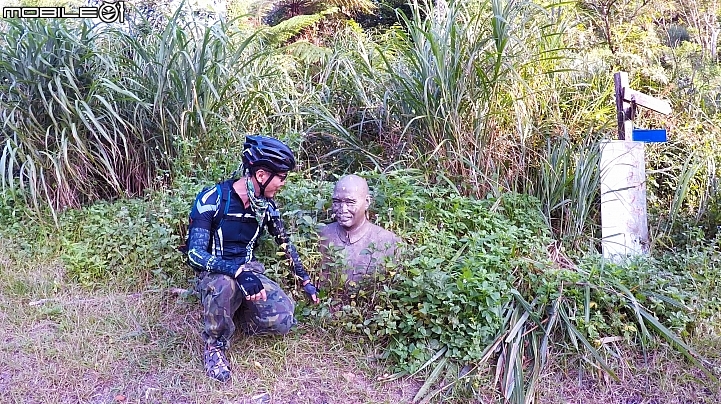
[(225, 224)]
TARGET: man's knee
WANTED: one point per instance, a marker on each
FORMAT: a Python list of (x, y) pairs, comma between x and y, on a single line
[(275, 315), (280, 324)]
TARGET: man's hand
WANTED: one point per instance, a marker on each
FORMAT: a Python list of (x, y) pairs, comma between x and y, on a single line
[(311, 291), (251, 286)]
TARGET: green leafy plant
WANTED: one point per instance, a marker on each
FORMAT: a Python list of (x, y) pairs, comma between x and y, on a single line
[(129, 242)]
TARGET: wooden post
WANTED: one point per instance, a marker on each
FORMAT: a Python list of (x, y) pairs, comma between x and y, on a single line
[(624, 110)]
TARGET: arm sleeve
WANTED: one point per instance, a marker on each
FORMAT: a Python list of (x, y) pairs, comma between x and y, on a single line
[(199, 257), (277, 229), (201, 221)]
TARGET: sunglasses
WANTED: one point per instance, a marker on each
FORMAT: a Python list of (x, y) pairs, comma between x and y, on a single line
[(282, 176)]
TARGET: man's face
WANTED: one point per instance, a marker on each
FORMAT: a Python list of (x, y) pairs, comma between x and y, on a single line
[(349, 206), (274, 185)]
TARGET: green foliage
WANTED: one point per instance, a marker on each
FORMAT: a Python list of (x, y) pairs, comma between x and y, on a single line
[(130, 243), (287, 29), (473, 282), (468, 81), (474, 97), (459, 261), (476, 281), (587, 308), (478, 99), (83, 145), (348, 128), (205, 85), (596, 303), (27, 232), (684, 194), (285, 10), (387, 14), (568, 185), (83, 120), (12, 209), (661, 290)]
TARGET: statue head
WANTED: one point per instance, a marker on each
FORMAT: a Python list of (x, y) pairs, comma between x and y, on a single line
[(350, 202)]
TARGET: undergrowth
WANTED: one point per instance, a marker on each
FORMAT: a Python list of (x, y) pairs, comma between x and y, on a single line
[(476, 280)]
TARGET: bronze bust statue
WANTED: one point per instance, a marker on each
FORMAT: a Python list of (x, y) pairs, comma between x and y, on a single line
[(362, 243)]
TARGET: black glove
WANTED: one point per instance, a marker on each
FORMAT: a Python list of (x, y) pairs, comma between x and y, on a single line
[(249, 283), (310, 290)]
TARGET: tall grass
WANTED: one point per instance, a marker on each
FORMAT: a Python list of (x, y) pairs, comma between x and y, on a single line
[(568, 184), (684, 185), (350, 129), (93, 112), (195, 76), (459, 85), (66, 132)]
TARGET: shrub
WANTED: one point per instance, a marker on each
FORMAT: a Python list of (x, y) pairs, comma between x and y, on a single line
[(129, 243)]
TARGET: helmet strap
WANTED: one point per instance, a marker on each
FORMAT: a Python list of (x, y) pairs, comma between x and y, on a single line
[(265, 184)]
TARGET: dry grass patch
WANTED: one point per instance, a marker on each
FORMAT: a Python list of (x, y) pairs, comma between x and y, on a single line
[(62, 344), (663, 376)]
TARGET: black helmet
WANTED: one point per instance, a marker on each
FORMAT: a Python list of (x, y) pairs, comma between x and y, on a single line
[(267, 152)]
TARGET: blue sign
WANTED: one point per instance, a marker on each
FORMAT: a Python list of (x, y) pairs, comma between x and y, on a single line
[(649, 135)]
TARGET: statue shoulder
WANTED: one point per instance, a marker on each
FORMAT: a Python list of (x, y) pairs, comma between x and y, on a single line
[(329, 229), (383, 234)]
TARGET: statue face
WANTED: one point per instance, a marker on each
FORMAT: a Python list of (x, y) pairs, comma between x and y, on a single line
[(350, 203)]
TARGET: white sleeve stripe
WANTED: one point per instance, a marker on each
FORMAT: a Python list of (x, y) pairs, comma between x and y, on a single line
[(205, 208), (219, 244), (207, 195), (202, 205), (194, 257)]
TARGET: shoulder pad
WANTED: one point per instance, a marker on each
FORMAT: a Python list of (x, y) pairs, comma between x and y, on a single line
[(207, 199)]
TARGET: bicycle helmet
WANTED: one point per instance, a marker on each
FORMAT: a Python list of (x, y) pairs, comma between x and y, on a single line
[(267, 152)]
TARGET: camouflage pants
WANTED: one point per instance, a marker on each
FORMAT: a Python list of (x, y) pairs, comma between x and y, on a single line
[(224, 305)]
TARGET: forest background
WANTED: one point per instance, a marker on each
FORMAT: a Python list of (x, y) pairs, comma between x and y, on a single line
[(478, 125)]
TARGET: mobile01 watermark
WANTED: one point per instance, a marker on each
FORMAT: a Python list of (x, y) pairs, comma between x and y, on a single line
[(106, 12)]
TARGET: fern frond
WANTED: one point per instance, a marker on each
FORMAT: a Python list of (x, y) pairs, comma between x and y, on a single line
[(309, 52), (291, 27)]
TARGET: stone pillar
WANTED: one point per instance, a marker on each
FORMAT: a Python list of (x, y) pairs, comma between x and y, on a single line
[(624, 222)]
